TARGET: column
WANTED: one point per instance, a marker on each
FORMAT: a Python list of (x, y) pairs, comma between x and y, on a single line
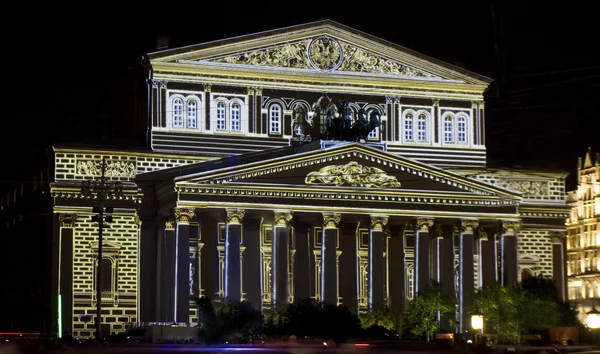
[(329, 258), (447, 271), (302, 264), (487, 259), (377, 246), (509, 257), (465, 270), (558, 263), (233, 265), (251, 110), (207, 104), (65, 272), (281, 258), (165, 299), (422, 272), (183, 216), (396, 272), (261, 126)]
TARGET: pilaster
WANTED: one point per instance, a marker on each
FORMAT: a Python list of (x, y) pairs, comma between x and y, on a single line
[(466, 270), (422, 266), (377, 247), (281, 257), (233, 255), (329, 258), (509, 257), (558, 263), (183, 217), (65, 272)]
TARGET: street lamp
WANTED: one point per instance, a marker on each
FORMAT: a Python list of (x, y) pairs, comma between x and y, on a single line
[(593, 318), (477, 324)]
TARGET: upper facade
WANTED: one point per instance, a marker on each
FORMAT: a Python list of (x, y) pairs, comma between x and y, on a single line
[(276, 88)]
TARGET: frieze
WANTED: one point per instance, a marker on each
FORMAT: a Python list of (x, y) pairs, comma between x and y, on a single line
[(527, 187), (352, 174), (112, 168), (322, 53)]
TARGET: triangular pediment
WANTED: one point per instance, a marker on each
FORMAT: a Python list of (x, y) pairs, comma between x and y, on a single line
[(349, 167), (323, 46)]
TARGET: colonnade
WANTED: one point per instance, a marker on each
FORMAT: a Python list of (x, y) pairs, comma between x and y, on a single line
[(273, 257)]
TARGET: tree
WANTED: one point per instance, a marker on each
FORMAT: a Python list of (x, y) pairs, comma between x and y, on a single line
[(421, 316), (516, 311), (229, 321), (380, 316)]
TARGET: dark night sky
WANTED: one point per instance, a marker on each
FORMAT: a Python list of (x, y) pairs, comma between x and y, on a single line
[(70, 74)]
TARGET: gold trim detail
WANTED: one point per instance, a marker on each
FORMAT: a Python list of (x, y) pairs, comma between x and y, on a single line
[(352, 174), (235, 216), (67, 220), (511, 227), (184, 215), (378, 222), (283, 218), (482, 234), (557, 237), (331, 220), (423, 224), (469, 225), (170, 224)]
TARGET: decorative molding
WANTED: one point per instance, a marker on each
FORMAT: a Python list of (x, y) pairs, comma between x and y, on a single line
[(207, 87), (170, 224), (331, 220), (352, 174), (424, 224), (322, 53), (511, 227), (258, 90), (138, 220), (184, 215), (235, 216), (436, 102), (469, 225), (250, 90), (378, 222), (557, 237), (113, 168), (67, 220), (283, 218)]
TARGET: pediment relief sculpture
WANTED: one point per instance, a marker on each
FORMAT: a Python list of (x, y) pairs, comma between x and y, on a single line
[(352, 174), (322, 53)]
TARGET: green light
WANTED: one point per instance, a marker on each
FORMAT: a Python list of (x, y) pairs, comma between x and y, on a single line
[(59, 334)]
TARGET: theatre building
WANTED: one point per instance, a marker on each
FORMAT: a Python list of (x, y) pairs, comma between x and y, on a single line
[(313, 161)]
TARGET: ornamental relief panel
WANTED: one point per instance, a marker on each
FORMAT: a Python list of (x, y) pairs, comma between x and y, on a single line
[(322, 53), (528, 187), (113, 168), (352, 174)]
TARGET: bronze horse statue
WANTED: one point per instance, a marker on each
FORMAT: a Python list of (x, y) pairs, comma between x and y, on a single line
[(362, 127)]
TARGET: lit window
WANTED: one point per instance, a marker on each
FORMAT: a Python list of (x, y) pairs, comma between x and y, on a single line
[(178, 112), (235, 117), (461, 129), (221, 116), (192, 114), (422, 128), (408, 127), (275, 119), (448, 131)]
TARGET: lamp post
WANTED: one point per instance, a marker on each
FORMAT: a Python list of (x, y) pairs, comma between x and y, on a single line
[(100, 189), (593, 320), (477, 324)]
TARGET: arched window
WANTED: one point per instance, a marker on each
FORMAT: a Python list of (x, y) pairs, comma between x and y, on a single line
[(192, 114), (408, 126), (410, 283), (221, 116), (448, 129), (275, 119), (178, 112), (422, 127), (236, 114), (461, 129)]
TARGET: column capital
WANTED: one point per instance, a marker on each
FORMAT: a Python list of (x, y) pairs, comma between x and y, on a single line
[(468, 225), (283, 218), (423, 224), (331, 220), (557, 237), (258, 91), (250, 90), (169, 224), (439, 232), (482, 234), (207, 87), (138, 220), (67, 220), (511, 226), (235, 216), (436, 102), (184, 215), (378, 222)]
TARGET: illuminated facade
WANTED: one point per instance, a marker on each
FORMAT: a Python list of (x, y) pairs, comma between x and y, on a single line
[(583, 237), (239, 195)]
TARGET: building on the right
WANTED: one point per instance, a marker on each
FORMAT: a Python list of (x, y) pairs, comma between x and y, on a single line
[(583, 237)]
